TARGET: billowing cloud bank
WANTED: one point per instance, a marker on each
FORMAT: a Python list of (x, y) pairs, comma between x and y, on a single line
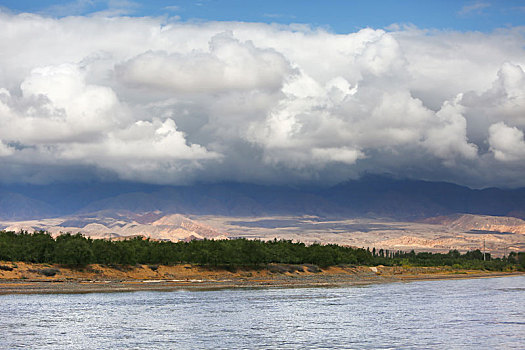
[(159, 101)]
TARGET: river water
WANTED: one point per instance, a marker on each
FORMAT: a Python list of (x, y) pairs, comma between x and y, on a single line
[(450, 314)]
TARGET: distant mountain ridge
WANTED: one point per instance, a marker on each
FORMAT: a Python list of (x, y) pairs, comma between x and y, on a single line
[(480, 223), (121, 224), (370, 196)]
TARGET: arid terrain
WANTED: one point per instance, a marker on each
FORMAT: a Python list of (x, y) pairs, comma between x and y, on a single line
[(462, 232), (29, 278), (499, 235), (118, 225)]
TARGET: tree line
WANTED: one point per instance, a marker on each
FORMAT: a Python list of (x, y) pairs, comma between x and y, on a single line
[(77, 250)]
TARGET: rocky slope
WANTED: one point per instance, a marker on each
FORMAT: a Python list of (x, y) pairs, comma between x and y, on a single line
[(468, 222), (119, 225)]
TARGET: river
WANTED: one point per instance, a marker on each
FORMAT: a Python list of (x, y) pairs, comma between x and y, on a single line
[(448, 314)]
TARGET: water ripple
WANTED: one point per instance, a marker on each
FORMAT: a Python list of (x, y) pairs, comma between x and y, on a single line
[(455, 314)]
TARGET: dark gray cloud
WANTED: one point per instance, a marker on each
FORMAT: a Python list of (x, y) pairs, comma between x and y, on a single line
[(146, 100)]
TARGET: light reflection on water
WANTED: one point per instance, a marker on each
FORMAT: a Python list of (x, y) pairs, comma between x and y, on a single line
[(453, 314)]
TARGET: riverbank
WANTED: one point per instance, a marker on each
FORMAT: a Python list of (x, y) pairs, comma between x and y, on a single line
[(24, 278)]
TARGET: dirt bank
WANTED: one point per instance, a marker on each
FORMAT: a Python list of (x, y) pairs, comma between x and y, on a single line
[(22, 277)]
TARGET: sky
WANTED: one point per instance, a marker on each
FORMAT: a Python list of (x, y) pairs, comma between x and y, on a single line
[(340, 16), (274, 92)]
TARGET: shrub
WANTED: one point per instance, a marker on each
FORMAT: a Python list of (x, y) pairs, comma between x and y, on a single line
[(277, 268), (49, 272), (312, 268)]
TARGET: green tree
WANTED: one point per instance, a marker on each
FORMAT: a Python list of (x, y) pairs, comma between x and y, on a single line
[(73, 250)]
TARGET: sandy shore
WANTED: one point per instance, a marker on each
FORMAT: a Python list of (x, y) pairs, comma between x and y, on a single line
[(23, 278)]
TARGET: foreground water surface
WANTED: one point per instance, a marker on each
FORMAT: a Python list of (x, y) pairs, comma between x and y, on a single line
[(448, 314)]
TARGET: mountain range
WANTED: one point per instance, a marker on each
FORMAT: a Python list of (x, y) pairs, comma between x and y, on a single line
[(374, 196)]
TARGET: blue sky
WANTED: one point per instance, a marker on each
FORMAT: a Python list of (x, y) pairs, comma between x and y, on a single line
[(341, 16)]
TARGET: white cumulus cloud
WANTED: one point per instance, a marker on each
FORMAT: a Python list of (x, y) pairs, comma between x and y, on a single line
[(227, 65), (157, 100), (507, 143)]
